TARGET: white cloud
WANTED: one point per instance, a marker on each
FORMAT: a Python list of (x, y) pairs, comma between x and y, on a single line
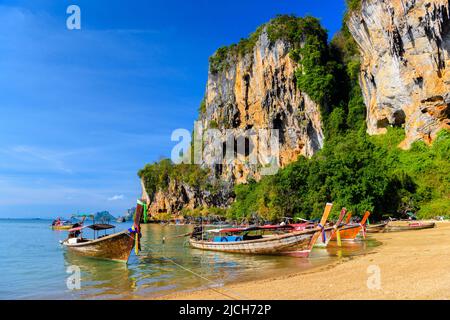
[(116, 197), (52, 158)]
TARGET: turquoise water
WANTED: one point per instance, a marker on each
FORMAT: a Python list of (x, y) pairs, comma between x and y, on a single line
[(33, 265)]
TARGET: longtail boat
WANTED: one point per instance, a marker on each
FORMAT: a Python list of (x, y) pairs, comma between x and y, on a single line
[(323, 241), (394, 226), (253, 240), (61, 225), (349, 217), (376, 228), (350, 231), (115, 247)]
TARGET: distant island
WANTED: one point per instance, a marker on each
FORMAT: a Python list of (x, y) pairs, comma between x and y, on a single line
[(128, 216)]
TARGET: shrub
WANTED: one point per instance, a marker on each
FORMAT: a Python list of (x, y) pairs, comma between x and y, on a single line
[(157, 176), (202, 107)]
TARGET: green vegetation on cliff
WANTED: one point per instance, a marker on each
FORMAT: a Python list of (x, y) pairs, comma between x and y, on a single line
[(353, 169), (289, 28), (352, 6), (316, 72), (428, 169), (360, 173), (157, 176)]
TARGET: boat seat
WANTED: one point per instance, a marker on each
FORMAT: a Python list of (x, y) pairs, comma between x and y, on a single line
[(227, 239), (72, 240)]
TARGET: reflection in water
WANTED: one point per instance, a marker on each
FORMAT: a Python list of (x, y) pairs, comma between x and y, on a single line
[(102, 278), (351, 248), (166, 268)]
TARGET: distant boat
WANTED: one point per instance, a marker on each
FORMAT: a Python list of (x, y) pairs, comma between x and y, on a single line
[(115, 247), (376, 228), (61, 225), (394, 226)]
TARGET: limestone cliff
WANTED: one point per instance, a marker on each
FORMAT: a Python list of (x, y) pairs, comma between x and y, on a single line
[(405, 74), (180, 195), (251, 86), (258, 91)]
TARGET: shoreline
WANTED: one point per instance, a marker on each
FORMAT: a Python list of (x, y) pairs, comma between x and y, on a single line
[(407, 265), (224, 291)]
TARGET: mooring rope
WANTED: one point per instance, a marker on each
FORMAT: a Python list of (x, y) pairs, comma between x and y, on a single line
[(201, 277)]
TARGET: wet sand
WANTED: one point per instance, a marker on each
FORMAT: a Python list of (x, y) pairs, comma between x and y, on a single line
[(411, 265)]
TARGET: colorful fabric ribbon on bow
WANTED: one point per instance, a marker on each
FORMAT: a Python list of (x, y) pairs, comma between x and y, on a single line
[(338, 237), (363, 229), (135, 231), (324, 236), (145, 212)]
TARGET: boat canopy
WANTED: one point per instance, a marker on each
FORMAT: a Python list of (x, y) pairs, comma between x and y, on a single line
[(214, 231), (237, 230), (97, 227), (234, 230), (76, 229)]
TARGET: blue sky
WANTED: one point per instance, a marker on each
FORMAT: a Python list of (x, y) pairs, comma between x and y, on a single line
[(83, 110)]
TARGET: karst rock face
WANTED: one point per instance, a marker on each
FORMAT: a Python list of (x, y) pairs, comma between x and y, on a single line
[(258, 91), (250, 92), (404, 46), (179, 196), (405, 56)]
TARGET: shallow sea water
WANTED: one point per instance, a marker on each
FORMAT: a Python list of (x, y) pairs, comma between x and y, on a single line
[(33, 265)]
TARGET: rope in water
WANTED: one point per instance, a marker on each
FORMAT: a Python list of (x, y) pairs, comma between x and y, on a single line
[(199, 276)]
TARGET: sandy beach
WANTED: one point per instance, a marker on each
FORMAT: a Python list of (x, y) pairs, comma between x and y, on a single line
[(408, 265)]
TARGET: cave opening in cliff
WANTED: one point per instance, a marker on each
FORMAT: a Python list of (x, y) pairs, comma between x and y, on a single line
[(399, 118), (419, 82), (397, 46), (184, 195), (382, 123), (218, 170), (278, 124), (247, 89), (446, 36), (236, 119), (247, 147), (289, 108), (224, 150)]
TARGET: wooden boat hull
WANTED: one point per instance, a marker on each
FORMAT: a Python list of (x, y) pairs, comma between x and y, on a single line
[(348, 233), (376, 228), (395, 227), (295, 242), (320, 243), (62, 228), (116, 247)]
